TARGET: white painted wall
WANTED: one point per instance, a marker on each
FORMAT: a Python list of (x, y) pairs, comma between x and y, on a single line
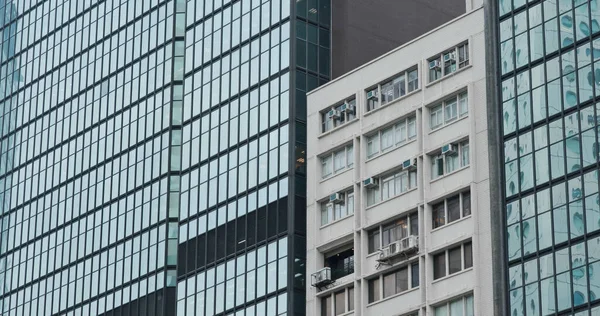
[(353, 229)]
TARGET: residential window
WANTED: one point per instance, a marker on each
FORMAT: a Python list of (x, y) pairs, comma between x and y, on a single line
[(451, 209), (436, 115), (395, 282), (338, 115), (338, 303), (392, 89), (393, 136), (350, 298), (456, 156), (337, 161), (449, 110), (388, 233), (459, 307), (452, 260), (414, 275), (374, 290), (448, 62), (392, 185), (333, 211), (375, 240), (326, 306)]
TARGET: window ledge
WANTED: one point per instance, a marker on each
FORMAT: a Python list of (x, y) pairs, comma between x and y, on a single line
[(373, 254), (452, 275), (449, 75), (337, 220), (448, 124), (367, 113), (336, 174), (394, 296), (464, 218), (451, 173), (392, 149), (337, 128), (392, 198)]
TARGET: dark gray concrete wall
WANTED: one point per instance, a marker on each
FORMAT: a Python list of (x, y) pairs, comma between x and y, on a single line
[(363, 30)]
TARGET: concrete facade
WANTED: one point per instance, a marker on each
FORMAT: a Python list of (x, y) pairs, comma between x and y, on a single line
[(351, 234)]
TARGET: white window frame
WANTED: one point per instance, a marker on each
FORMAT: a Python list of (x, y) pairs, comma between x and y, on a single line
[(328, 210), (450, 110), (409, 86), (397, 140), (328, 124), (446, 305), (461, 60), (381, 288), (402, 182), (347, 299), (461, 208), (380, 227), (346, 153), (446, 253), (462, 156)]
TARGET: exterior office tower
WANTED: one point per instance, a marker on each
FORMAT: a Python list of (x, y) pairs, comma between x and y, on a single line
[(544, 79), (152, 154), (398, 182)]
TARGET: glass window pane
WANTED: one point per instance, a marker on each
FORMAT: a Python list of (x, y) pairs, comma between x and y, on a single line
[(439, 266), (454, 260), (439, 215), (466, 203), (468, 248), (453, 208), (340, 302)]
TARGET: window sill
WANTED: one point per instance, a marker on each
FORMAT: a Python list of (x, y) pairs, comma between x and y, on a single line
[(448, 124), (448, 75), (392, 149), (452, 275), (336, 174), (392, 198), (367, 113), (337, 220), (451, 173), (376, 253), (393, 296), (464, 218), (337, 128)]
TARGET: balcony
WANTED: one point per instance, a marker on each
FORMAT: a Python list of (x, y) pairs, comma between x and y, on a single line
[(339, 269)]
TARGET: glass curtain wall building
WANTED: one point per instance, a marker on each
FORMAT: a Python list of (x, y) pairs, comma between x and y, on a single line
[(153, 155), (547, 76)]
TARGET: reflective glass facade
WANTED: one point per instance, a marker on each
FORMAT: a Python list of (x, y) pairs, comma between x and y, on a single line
[(549, 89), (152, 155)]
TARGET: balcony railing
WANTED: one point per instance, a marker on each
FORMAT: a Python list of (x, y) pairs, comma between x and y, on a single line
[(346, 269)]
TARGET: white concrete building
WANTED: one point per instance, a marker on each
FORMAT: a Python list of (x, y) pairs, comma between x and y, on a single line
[(398, 207)]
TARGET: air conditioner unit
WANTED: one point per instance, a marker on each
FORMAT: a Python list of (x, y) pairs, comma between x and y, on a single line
[(336, 198), (348, 108), (449, 57), (333, 114), (448, 149), (434, 64), (410, 243), (370, 183), (410, 164), (403, 246), (321, 277), (372, 95)]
